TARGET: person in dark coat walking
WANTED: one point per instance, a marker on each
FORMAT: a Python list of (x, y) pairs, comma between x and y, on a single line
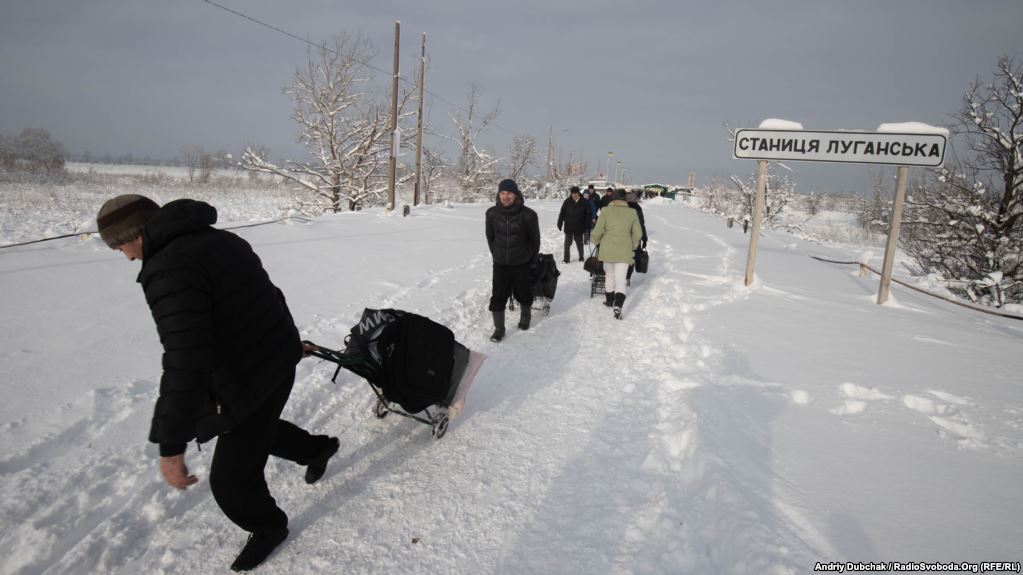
[(632, 198), (607, 198), (230, 347), (513, 235), (590, 195), (574, 219)]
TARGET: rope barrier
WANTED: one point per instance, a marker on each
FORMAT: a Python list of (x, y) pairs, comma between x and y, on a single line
[(90, 232), (923, 291)]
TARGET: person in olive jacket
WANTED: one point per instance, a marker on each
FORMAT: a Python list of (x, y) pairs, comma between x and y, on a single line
[(513, 235), (617, 235), (574, 219), (230, 349)]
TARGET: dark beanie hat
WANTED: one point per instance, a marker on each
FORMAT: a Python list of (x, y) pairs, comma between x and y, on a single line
[(573, 190), (120, 220), (508, 185)]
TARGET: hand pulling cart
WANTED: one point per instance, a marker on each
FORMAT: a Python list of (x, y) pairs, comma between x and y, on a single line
[(413, 365)]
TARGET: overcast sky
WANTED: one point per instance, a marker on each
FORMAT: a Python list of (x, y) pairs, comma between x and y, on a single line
[(655, 82)]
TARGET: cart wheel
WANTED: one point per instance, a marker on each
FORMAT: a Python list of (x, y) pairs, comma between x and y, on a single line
[(380, 410), (440, 427)]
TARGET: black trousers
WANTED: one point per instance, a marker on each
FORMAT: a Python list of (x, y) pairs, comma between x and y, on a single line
[(578, 239), (509, 280), (236, 475)]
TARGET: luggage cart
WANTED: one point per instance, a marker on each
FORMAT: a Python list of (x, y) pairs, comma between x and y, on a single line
[(596, 273), (543, 283), (429, 388)]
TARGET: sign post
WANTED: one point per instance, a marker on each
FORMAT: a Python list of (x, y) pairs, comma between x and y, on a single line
[(893, 234), (902, 145), (758, 208)]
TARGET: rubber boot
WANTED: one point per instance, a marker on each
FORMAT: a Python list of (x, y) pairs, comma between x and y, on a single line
[(524, 316), (609, 299), (498, 326), (619, 302)]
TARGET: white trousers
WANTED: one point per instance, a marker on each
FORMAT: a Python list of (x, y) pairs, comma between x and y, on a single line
[(614, 277)]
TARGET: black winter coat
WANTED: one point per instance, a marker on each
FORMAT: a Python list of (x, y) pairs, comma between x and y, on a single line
[(228, 336), (642, 220), (513, 234), (575, 216)]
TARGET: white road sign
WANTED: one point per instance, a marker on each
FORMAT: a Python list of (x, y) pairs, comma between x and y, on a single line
[(903, 149)]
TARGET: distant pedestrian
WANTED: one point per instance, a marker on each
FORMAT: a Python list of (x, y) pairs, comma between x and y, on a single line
[(606, 199), (574, 219), (513, 236), (617, 235), (590, 197), (230, 347), (633, 200)]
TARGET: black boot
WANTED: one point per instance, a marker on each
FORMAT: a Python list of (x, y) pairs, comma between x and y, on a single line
[(318, 465), (258, 548), (498, 326), (609, 299), (619, 302), (524, 316)]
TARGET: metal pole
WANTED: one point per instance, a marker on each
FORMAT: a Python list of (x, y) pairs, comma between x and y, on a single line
[(419, 124), (893, 234), (392, 160), (751, 259)]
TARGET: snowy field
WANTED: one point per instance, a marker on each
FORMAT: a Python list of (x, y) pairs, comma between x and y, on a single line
[(716, 429)]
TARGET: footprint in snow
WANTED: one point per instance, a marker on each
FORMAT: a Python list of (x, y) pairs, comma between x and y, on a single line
[(950, 421), (857, 398)]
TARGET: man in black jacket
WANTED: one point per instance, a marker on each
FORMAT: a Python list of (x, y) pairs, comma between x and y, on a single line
[(513, 235), (230, 349), (574, 218)]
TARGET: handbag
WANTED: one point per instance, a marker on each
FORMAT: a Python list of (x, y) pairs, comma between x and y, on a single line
[(642, 260), (592, 264)]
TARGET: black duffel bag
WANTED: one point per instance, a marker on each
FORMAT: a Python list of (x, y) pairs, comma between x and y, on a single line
[(642, 260)]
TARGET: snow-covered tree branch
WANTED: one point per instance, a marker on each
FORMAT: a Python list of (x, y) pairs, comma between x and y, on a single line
[(344, 126), (965, 221)]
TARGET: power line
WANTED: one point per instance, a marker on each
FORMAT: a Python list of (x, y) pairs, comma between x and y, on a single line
[(325, 48)]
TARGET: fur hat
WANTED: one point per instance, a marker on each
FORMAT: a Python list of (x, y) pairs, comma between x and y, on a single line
[(631, 197), (573, 190), (509, 185), (619, 194), (120, 220)]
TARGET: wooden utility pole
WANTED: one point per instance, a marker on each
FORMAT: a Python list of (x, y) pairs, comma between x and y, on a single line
[(419, 125), (758, 208), (392, 160), (893, 234), (550, 154)]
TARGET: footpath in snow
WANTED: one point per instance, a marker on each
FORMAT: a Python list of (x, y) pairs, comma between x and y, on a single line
[(716, 429)]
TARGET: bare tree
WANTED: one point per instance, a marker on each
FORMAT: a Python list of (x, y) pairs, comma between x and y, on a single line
[(37, 151), (523, 154), (475, 169), (873, 214), (345, 128), (433, 170), (813, 203), (965, 221), (192, 155), (778, 192), (8, 152)]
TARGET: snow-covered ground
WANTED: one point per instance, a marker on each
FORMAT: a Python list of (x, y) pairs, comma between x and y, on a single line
[(716, 429)]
